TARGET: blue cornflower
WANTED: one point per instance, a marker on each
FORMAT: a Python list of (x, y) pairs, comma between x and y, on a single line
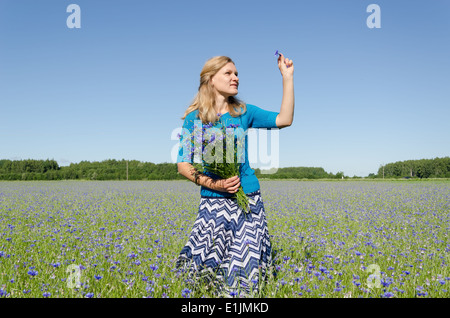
[(32, 272), (386, 281), (233, 293), (98, 277), (2, 253), (276, 53), (149, 289), (89, 295), (387, 295), (46, 294), (3, 292), (153, 267), (185, 292)]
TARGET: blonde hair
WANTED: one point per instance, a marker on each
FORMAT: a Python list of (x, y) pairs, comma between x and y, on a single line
[(205, 99)]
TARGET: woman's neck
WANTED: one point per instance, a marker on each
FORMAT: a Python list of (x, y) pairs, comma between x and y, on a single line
[(221, 105)]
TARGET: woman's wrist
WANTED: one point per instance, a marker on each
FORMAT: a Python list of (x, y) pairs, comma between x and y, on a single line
[(288, 77)]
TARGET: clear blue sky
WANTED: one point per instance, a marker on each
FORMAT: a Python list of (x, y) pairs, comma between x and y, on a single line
[(117, 87)]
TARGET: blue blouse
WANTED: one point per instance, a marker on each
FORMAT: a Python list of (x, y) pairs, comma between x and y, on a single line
[(254, 117)]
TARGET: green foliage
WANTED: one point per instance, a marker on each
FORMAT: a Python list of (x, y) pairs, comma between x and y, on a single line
[(297, 173), (423, 168), (105, 170), (112, 169)]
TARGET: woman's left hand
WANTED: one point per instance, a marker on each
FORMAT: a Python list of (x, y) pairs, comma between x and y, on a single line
[(286, 66)]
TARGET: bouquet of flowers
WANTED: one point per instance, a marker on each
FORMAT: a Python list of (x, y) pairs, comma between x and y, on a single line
[(220, 156)]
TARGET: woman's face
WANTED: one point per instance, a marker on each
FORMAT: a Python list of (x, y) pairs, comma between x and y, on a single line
[(226, 81)]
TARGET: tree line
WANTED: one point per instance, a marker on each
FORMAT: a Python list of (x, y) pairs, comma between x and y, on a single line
[(127, 170), (112, 169), (423, 168)]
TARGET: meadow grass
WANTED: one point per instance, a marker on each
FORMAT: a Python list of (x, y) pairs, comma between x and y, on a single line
[(121, 239)]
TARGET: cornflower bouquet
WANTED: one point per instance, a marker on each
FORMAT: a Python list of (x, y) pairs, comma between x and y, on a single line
[(220, 156)]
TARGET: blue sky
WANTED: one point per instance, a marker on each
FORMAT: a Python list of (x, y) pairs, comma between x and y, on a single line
[(117, 87)]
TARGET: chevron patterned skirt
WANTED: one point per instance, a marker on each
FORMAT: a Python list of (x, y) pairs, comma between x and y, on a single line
[(228, 249)]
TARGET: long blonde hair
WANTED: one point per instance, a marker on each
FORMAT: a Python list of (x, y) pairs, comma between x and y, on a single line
[(205, 99)]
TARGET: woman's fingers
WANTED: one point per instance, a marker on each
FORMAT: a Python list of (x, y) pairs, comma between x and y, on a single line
[(282, 60), (232, 184)]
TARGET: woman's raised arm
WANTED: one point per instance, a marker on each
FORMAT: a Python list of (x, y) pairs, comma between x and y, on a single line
[(286, 115)]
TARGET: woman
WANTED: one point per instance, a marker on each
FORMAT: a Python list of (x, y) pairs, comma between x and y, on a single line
[(228, 247)]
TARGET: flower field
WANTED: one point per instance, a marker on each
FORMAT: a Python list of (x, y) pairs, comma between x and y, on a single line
[(121, 239)]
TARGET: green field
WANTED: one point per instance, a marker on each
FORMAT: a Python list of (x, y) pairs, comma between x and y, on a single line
[(121, 239)]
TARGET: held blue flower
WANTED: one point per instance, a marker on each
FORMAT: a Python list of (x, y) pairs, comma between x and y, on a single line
[(277, 54)]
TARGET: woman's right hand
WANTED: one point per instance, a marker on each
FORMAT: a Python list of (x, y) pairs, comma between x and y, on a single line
[(230, 185)]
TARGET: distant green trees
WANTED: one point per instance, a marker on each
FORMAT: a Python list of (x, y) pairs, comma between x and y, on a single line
[(112, 169), (298, 173), (105, 170), (423, 168)]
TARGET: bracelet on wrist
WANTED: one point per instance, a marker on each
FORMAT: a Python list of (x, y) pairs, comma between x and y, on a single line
[(196, 174)]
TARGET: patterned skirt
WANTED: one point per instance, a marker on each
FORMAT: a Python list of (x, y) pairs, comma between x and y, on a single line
[(228, 249)]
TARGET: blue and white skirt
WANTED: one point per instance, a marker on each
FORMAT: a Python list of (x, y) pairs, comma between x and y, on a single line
[(228, 249)]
